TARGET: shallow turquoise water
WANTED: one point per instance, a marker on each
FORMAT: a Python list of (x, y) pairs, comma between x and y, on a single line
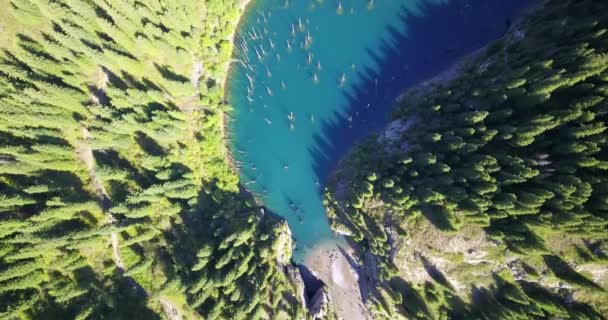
[(314, 76)]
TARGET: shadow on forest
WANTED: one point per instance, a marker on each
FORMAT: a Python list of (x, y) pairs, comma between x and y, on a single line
[(496, 301), (564, 271), (216, 215), (433, 42), (438, 216), (311, 283), (125, 300), (527, 240), (432, 271), (414, 304)]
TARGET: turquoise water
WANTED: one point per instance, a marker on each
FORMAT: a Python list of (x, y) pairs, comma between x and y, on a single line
[(312, 77)]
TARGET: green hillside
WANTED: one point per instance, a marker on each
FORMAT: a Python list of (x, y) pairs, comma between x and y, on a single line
[(487, 197), (117, 200)]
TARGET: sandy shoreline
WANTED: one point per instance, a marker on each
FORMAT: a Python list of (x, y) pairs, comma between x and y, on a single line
[(227, 70)]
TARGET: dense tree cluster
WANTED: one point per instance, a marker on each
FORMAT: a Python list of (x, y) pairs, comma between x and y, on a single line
[(516, 144), (116, 199)]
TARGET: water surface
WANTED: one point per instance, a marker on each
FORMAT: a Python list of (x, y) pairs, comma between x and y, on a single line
[(315, 76)]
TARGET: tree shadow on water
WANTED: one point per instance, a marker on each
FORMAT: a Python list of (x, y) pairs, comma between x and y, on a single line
[(435, 39)]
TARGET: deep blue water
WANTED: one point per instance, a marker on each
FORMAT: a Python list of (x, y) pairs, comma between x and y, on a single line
[(315, 76)]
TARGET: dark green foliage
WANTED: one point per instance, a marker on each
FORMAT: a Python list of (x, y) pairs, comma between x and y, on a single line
[(520, 151), (113, 170)]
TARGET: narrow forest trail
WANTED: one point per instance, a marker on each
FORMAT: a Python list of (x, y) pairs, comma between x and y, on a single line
[(85, 154), (170, 310), (197, 73), (116, 252), (190, 105)]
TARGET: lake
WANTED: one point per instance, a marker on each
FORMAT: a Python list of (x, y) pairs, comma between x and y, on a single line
[(313, 77)]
